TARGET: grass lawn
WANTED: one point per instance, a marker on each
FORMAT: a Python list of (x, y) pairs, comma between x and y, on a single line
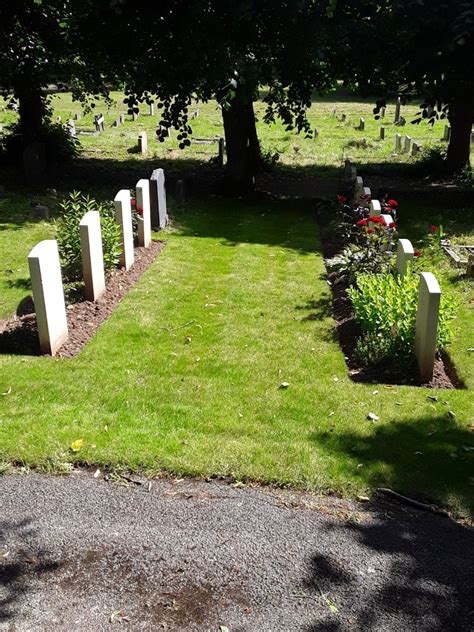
[(336, 139), (186, 373)]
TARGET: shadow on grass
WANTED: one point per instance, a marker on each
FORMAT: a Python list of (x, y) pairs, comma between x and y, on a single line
[(422, 579), (20, 567), (431, 454)]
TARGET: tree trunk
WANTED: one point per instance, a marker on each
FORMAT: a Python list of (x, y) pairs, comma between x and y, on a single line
[(461, 116), (31, 109), (243, 150)]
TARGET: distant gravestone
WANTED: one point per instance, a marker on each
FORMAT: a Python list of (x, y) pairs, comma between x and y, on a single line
[(367, 193), (71, 128), (99, 121), (221, 152), (77, 116), (152, 109), (117, 122), (398, 143), (134, 115), (397, 110), (362, 124), (343, 118), (426, 329), (40, 211), (143, 204), (180, 192), (407, 145), (405, 254), (142, 142), (122, 118), (447, 133), (158, 208), (358, 188), (123, 216), (315, 133), (48, 295), (416, 148), (382, 132), (382, 112), (34, 161), (92, 256)]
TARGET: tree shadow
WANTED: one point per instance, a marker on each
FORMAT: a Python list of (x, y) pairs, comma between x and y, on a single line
[(24, 560), (318, 309), (427, 456), (407, 570)]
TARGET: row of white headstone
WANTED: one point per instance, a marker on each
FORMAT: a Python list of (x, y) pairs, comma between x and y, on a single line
[(429, 291), (45, 268)]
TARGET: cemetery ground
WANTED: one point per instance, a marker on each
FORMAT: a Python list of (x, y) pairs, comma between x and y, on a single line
[(186, 375)]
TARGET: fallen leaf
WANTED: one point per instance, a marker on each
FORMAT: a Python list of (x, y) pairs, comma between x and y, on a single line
[(433, 398), (8, 391), (363, 499), (331, 413), (97, 474), (398, 403), (335, 379), (373, 417), (360, 465), (375, 392), (76, 445), (284, 385)]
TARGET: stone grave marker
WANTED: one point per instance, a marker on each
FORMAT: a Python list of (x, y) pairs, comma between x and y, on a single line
[(362, 124), (143, 203), (367, 193), (34, 161), (221, 151), (382, 112), (343, 118), (407, 145), (398, 142), (358, 188), (134, 115), (99, 122), (375, 208), (92, 255), (426, 330), (142, 142), (77, 116), (48, 295), (159, 211), (405, 254), (71, 128), (315, 133), (122, 118), (123, 216), (447, 133), (382, 132), (151, 109), (416, 148), (117, 122), (397, 110)]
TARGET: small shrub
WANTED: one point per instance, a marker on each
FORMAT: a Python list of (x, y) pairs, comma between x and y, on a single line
[(385, 306), (67, 230)]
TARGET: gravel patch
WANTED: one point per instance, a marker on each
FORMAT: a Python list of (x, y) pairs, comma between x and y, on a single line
[(79, 553)]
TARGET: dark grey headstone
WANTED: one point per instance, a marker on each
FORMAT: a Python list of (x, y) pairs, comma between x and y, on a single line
[(34, 161), (158, 208), (40, 211)]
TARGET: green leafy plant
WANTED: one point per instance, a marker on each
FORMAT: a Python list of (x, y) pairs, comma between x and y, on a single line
[(385, 306), (371, 256), (73, 210)]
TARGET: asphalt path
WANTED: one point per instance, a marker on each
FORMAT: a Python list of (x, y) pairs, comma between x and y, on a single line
[(82, 553)]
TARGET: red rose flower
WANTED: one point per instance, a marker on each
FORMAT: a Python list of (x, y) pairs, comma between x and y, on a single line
[(362, 222), (388, 210), (341, 199), (370, 230), (392, 203), (434, 229), (140, 211), (417, 253), (392, 225), (132, 202)]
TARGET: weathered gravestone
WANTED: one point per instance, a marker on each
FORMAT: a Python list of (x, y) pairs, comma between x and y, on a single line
[(142, 142), (122, 118), (397, 110), (375, 207), (159, 212), (405, 254), (48, 295), (382, 112), (152, 109), (34, 161), (343, 118), (117, 122), (71, 128), (426, 330), (143, 207), (99, 122), (77, 116), (416, 148), (447, 133), (134, 115), (358, 188), (92, 255), (398, 142), (123, 216), (407, 145), (382, 132), (361, 124)]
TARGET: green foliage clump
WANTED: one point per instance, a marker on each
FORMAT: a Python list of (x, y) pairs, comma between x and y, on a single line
[(69, 242), (385, 306), (365, 258)]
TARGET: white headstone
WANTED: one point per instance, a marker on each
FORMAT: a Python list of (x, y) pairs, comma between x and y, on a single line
[(398, 142), (382, 132), (143, 203), (159, 211), (407, 145), (48, 295), (92, 255), (142, 142), (123, 216), (71, 127), (375, 208), (152, 109), (405, 254), (429, 295), (359, 187), (388, 219)]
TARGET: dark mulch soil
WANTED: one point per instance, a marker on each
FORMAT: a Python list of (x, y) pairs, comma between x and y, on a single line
[(19, 335), (348, 331)]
